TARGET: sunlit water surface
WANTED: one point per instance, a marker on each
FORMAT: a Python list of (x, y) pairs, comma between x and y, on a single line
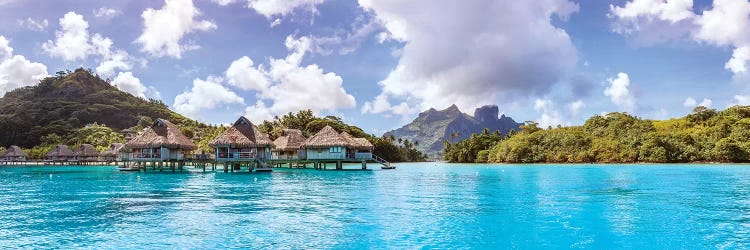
[(427, 205)]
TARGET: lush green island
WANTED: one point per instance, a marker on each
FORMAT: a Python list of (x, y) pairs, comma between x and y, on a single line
[(79, 107), (705, 135)]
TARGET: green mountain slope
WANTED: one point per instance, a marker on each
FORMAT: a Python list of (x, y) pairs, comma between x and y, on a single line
[(63, 103)]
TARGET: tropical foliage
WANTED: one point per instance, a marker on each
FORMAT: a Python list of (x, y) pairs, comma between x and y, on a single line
[(387, 147), (705, 135)]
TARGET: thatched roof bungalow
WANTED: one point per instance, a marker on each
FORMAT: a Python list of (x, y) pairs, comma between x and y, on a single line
[(359, 148), (289, 145), (14, 153), (162, 141), (242, 141), (59, 153), (86, 152), (327, 144), (113, 153)]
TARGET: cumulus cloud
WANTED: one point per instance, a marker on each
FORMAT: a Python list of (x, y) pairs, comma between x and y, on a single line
[(204, 95), (16, 71), (243, 75), (293, 86), (106, 13), (576, 106), (742, 100), (726, 23), (619, 93), (272, 8), (491, 54), (381, 104), (34, 25), (125, 81), (163, 29), (73, 42), (549, 114), (691, 103)]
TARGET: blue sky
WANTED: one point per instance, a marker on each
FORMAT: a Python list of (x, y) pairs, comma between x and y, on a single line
[(378, 63)]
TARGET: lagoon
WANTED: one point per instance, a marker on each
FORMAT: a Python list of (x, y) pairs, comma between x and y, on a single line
[(430, 205)]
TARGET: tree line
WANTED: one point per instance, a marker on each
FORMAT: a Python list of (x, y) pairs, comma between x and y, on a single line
[(705, 135)]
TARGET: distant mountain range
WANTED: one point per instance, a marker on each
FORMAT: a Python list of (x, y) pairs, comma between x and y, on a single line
[(432, 127)]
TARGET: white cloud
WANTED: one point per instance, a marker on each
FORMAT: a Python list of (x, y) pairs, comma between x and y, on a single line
[(127, 82), (243, 75), (742, 100), (223, 2), (619, 93), (290, 86), (164, 28), (106, 13), (72, 42), (346, 42), (726, 23), (576, 106), (272, 8), (34, 25), (5, 50), (205, 94), (16, 71), (549, 114), (381, 105), (691, 102), (493, 53)]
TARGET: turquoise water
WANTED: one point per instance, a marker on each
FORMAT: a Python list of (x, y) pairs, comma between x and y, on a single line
[(418, 205)]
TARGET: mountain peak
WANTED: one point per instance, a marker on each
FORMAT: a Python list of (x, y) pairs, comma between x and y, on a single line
[(487, 113)]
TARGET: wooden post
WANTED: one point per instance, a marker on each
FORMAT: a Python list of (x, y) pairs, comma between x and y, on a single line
[(364, 164), (161, 166)]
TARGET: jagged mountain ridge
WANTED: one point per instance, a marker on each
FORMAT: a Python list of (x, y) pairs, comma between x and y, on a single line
[(432, 127)]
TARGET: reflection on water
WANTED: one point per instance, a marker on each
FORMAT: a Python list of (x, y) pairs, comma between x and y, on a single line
[(419, 205)]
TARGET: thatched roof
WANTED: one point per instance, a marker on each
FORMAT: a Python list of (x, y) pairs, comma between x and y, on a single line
[(358, 143), (113, 149), (60, 151), (242, 134), (14, 151), (161, 134), (86, 150), (326, 137), (291, 139)]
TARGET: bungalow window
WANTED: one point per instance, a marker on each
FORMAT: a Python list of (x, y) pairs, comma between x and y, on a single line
[(334, 150)]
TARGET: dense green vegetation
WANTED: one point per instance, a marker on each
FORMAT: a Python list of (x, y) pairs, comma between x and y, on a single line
[(473, 149), (79, 107), (705, 135), (388, 147)]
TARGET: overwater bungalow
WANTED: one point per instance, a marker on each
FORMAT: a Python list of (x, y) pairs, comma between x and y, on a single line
[(289, 146), (359, 148), (242, 142), (327, 144), (14, 154), (86, 153), (163, 141), (113, 153), (61, 153)]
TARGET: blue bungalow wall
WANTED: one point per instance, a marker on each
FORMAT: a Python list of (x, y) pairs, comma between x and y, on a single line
[(328, 153)]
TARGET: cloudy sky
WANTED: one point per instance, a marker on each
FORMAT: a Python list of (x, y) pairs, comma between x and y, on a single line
[(378, 63)]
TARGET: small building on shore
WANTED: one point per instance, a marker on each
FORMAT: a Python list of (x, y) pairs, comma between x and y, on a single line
[(327, 144), (289, 146), (243, 142), (163, 141), (86, 153), (14, 154), (61, 153), (113, 153)]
